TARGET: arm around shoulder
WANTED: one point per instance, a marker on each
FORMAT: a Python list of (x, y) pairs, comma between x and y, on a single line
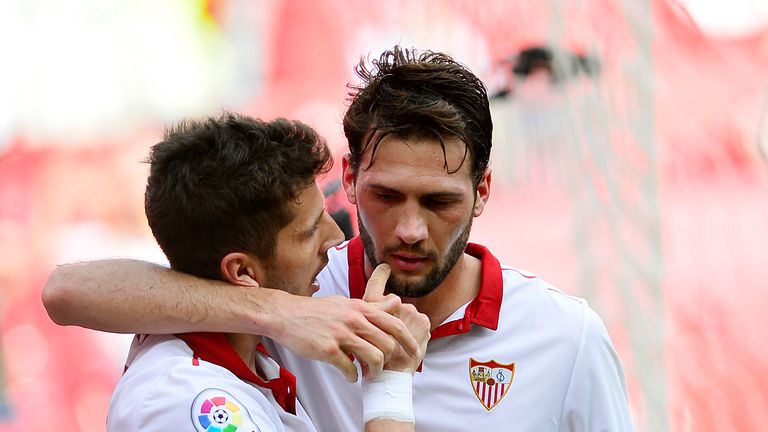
[(129, 296)]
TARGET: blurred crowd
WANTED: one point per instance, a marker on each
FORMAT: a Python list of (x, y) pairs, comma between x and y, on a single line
[(630, 150)]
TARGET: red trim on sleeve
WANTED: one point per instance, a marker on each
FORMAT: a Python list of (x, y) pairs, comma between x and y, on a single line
[(483, 310), (215, 348)]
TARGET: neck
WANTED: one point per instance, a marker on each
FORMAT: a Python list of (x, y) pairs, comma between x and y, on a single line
[(245, 346)]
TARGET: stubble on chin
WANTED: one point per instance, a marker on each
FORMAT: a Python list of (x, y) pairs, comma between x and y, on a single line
[(429, 282)]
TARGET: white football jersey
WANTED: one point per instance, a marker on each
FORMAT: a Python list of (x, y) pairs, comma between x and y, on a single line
[(521, 356), (201, 384)]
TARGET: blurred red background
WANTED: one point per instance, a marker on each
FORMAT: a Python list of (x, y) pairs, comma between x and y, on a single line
[(637, 181)]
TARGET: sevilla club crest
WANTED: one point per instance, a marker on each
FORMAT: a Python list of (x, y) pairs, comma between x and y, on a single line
[(490, 381)]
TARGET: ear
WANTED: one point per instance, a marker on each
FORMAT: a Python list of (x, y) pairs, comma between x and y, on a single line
[(241, 269), (483, 193), (348, 179)]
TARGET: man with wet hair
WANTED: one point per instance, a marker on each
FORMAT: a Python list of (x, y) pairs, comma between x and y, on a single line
[(508, 351)]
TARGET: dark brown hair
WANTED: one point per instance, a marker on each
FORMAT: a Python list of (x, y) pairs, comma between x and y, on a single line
[(413, 94), (225, 184)]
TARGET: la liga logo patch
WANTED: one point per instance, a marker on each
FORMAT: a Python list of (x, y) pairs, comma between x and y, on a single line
[(490, 380), (215, 410)]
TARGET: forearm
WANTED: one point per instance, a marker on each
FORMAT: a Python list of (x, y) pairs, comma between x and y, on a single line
[(128, 296)]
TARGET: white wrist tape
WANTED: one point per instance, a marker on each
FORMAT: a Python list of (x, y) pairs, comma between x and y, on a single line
[(388, 396)]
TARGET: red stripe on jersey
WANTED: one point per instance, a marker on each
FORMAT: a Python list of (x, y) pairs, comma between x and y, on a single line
[(491, 395)]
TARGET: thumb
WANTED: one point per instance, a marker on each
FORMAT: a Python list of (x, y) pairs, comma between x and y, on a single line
[(374, 290)]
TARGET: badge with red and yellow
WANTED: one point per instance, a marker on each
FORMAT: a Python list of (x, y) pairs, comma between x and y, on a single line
[(490, 380)]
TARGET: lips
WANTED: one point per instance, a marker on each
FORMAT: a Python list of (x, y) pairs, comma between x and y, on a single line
[(408, 262)]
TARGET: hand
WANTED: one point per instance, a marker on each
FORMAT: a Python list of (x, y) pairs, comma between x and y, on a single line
[(417, 323), (330, 328)]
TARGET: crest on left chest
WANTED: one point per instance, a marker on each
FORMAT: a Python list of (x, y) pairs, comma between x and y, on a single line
[(490, 380)]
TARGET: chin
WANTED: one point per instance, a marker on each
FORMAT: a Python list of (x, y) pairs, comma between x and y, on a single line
[(411, 289)]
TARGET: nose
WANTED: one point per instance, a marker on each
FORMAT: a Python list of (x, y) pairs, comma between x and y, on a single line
[(333, 234), (411, 227)]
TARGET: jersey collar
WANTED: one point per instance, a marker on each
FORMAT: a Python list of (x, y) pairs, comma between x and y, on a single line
[(483, 310), (215, 348)]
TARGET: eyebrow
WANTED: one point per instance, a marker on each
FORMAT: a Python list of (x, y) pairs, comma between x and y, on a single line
[(444, 195)]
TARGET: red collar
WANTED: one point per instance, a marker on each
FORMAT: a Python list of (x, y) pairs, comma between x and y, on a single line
[(215, 348), (483, 310)]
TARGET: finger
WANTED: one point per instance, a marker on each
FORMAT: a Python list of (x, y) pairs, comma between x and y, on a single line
[(374, 290), (383, 342), (344, 364), (367, 354), (397, 329), (390, 304)]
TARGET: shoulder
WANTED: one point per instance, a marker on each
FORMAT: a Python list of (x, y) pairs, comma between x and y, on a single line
[(567, 322), (174, 391), (524, 290), (596, 397), (526, 293)]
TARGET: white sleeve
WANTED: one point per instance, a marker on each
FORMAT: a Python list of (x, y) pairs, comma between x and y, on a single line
[(186, 399), (597, 394)]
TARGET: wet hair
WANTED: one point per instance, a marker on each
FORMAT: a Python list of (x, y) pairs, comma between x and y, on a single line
[(412, 94), (226, 184)]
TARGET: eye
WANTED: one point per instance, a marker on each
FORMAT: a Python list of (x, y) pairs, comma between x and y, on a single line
[(438, 203), (386, 196), (311, 233)]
